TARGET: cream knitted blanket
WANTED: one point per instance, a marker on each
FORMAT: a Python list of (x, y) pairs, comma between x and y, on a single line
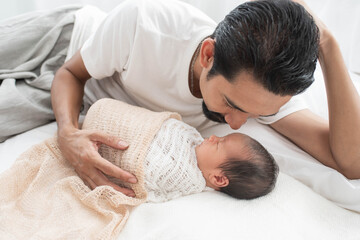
[(41, 197)]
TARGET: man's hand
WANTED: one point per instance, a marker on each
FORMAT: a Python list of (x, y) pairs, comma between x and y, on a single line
[(80, 148)]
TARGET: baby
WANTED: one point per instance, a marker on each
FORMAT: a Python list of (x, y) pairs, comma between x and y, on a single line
[(180, 162)]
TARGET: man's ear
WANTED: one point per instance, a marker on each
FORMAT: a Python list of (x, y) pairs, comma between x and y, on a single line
[(207, 52), (219, 180)]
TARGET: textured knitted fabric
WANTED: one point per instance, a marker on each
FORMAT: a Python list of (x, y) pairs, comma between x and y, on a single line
[(170, 165), (136, 126), (161, 152), (41, 196)]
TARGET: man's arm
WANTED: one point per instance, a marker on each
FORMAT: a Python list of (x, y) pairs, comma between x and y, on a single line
[(336, 143), (80, 147)]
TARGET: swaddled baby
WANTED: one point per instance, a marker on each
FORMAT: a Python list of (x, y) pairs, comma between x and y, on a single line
[(180, 162), (177, 161)]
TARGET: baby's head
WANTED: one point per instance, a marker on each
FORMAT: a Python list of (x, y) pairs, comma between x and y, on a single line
[(237, 165)]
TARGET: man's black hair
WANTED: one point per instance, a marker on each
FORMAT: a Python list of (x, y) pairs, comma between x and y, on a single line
[(275, 40)]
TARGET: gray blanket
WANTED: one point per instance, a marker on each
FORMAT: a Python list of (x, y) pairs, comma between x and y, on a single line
[(32, 47)]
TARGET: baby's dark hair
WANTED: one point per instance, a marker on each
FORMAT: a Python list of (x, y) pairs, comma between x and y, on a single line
[(252, 176)]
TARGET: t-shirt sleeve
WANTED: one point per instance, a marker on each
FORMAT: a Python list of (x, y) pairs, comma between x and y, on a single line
[(295, 104), (107, 50)]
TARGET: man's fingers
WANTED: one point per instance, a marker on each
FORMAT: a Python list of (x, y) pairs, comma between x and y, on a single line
[(99, 179), (105, 181), (110, 169), (88, 182), (80, 148), (109, 140)]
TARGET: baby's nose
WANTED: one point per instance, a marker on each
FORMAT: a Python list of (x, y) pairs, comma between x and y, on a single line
[(213, 138)]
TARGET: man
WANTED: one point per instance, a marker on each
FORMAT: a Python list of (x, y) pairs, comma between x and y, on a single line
[(120, 50)]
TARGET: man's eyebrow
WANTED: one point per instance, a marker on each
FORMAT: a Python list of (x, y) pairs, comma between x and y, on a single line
[(233, 105), (242, 110)]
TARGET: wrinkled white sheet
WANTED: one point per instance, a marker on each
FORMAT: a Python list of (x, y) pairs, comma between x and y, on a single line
[(291, 211)]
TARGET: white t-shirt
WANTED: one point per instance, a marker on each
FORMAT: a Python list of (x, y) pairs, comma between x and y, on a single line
[(142, 52)]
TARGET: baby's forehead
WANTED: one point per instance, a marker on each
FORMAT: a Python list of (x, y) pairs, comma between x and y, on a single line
[(238, 138), (236, 144)]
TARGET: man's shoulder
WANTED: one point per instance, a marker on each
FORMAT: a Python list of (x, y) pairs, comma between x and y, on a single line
[(167, 12)]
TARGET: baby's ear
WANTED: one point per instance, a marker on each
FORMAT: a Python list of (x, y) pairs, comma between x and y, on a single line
[(220, 180)]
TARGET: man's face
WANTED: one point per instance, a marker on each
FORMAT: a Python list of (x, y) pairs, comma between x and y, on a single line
[(235, 102)]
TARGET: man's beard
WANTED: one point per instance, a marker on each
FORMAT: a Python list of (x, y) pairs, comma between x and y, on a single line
[(213, 116)]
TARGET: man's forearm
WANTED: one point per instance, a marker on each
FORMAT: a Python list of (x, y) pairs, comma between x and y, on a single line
[(344, 107), (66, 97)]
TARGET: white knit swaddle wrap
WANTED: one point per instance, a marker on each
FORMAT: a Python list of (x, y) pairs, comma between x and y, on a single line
[(170, 165)]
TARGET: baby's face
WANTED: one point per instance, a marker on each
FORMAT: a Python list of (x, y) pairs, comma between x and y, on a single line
[(214, 151)]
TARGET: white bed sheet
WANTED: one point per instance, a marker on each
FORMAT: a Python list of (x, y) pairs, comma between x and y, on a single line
[(291, 211)]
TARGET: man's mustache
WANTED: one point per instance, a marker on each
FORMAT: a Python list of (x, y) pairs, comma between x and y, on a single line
[(213, 116)]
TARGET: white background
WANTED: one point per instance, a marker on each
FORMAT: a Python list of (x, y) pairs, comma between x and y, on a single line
[(216, 9)]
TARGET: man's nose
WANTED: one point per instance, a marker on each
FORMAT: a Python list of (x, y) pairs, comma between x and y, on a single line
[(235, 121)]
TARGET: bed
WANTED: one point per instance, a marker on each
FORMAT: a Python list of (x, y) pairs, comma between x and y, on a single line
[(310, 201)]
